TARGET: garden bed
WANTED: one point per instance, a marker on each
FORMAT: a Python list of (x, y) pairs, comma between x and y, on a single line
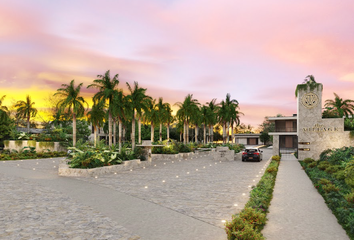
[(65, 170)]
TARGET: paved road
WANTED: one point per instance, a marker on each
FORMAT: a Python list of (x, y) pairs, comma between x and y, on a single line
[(183, 199)]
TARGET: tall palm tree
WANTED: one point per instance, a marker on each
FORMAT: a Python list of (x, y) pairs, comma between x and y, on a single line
[(223, 118), (3, 109), (185, 111), (120, 111), (138, 102), (25, 109), (340, 106), (232, 106), (169, 119), (212, 117), (235, 118), (152, 116), (162, 107), (204, 119), (96, 117), (196, 119), (107, 89), (72, 101)]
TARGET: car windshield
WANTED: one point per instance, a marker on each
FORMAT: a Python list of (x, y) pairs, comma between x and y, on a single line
[(251, 150)]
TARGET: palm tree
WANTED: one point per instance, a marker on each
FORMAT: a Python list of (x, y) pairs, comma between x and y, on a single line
[(223, 118), (120, 110), (212, 118), (3, 109), (152, 116), (107, 89), (25, 109), (138, 101), (235, 118), (162, 107), (185, 111), (231, 105), (196, 119), (169, 119), (204, 119), (72, 101), (340, 107), (96, 117)]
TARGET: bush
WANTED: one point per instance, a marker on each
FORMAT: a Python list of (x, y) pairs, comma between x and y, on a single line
[(330, 188), (308, 160), (276, 158), (312, 165), (256, 218), (271, 169), (340, 175), (332, 169), (349, 174), (323, 165), (324, 181), (349, 197), (239, 229)]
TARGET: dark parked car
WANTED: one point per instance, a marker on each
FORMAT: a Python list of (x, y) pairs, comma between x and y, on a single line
[(253, 154)]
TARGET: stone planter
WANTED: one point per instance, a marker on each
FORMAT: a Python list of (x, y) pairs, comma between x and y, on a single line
[(65, 170)]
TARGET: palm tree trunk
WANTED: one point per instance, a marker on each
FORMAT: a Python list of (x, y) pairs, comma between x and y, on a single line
[(180, 137), (187, 132), (139, 129), (160, 132), (94, 135), (109, 128), (120, 134), (123, 133), (152, 132), (223, 132), (74, 129), (133, 130), (211, 134), (196, 134), (204, 134), (184, 132), (168, 131), (114, 132), (28, 123), (228, 132), (232, 133)]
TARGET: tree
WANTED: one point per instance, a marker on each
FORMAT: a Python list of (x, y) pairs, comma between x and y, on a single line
[(213, 108), (234, 114), (204, 112), (340, 107), (3, 109), (185, 111), (234, 118), (169, 119), (72, 101), (196, 119), (152, 116), (309, 82), (264, 137), (107, 89), (120, 111), (137, 101), (96, 117), (223, 117), (26, 110), (162, 113)]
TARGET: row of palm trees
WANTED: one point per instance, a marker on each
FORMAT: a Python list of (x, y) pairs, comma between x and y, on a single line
[(110, 102)]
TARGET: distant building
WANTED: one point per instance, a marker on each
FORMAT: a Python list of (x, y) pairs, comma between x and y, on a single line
[(248, 139)]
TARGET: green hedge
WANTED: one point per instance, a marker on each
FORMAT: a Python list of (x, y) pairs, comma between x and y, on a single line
[(247, 225), (330, 177)]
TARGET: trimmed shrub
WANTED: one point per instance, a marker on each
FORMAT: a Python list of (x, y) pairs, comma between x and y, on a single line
[(276, 158), (349, 173), (256, 218), (324, 181), (308, 160), (239, 229), (332, 169), (349, 197), (340, 175), (312, 165), (323, 165), (330, 188)]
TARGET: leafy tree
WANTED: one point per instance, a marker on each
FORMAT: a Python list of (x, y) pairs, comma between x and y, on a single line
[(264, 137), (3, 109), (186, 110), (340, 107), (212, 117), (152, 116), (120, 111), (138, 101), (107, 89), (26, 110), (96, 117), (162, 110), (72, 101)]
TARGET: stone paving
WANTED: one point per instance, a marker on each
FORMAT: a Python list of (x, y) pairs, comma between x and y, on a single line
[(202, 188), (29, 211)]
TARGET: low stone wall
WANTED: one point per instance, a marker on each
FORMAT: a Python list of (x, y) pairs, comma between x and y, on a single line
[(224, 154), (18, 145), (65, 170)]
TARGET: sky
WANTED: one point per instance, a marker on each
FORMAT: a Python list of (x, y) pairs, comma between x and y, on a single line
[(258, 51)]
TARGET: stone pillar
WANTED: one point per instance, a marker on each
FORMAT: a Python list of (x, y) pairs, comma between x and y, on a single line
[(275, 145)]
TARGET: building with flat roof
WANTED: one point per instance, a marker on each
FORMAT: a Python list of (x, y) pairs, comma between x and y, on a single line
[(306, 132)]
